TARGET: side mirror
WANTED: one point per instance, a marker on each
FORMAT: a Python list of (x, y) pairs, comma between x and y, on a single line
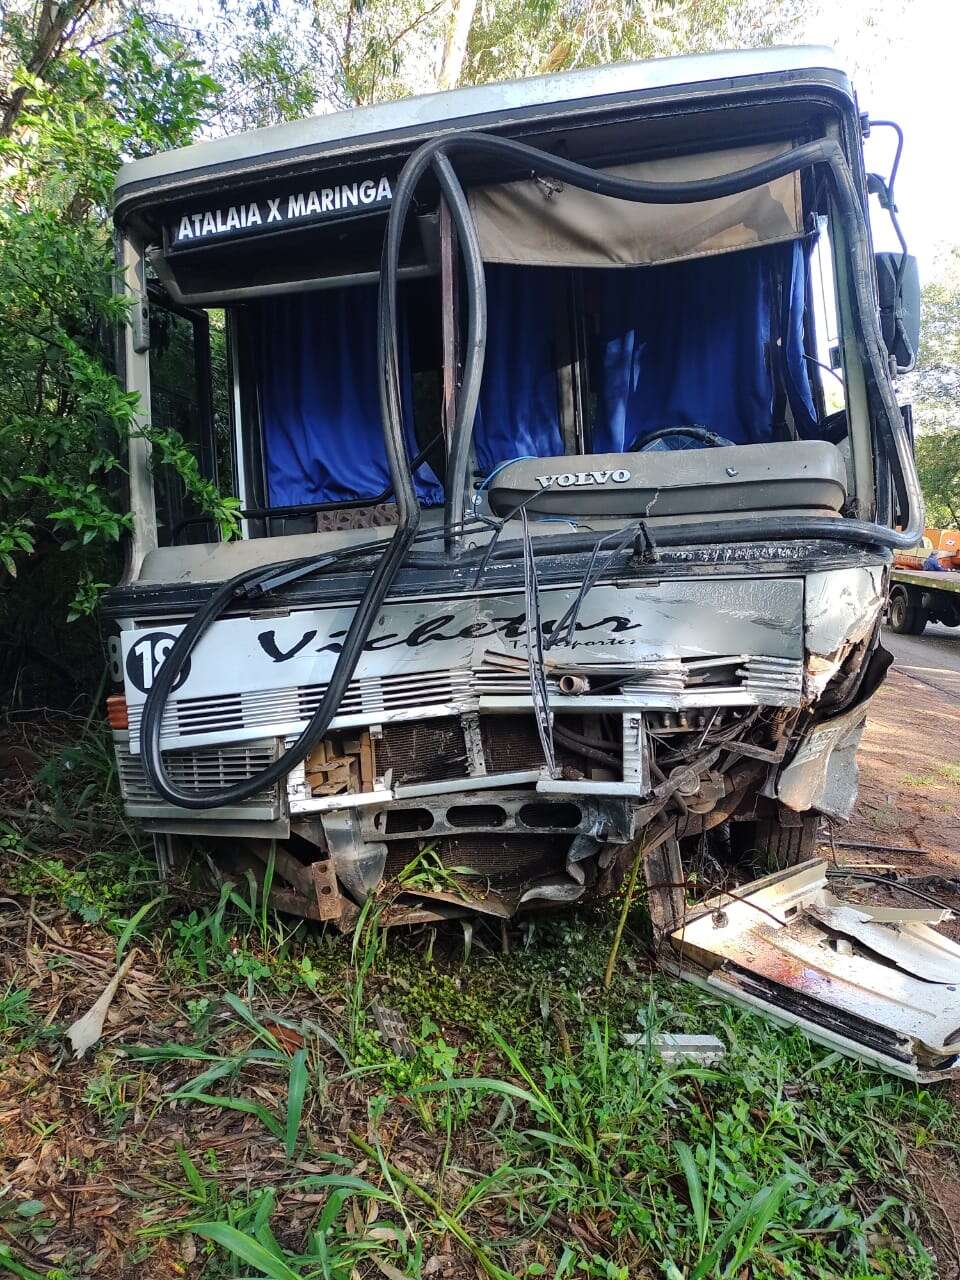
[(898, 283)]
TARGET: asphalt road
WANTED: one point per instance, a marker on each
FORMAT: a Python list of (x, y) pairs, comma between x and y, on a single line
[(933, 657)]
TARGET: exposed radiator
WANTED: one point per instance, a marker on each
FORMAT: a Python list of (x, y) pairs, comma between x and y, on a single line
[(500, 860), (423, 751), (428, 750)]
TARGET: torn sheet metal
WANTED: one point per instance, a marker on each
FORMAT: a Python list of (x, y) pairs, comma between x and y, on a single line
[(886, 991), (359, 865), (841, 607), (705, 1051), (416, 905), (556, 889), (910, 946), (823, 773), (479, 900)]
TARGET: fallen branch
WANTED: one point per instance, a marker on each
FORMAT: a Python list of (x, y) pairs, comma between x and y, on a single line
[(86, 1031), (879, 848)]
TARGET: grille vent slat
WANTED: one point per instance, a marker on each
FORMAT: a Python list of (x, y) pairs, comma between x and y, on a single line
[(777, 678), (206, 769), (270, 707)]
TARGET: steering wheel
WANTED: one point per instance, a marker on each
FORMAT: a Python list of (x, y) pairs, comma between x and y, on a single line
[(709, 439)]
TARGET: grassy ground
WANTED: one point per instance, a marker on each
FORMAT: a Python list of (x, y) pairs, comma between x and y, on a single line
[(243, 1116)]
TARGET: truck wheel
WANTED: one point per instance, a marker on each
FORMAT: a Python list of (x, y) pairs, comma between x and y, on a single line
[(774, 845), (906, 619)]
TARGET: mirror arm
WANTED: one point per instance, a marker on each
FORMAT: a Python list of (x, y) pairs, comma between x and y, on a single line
[(884, 190), (891, 124)]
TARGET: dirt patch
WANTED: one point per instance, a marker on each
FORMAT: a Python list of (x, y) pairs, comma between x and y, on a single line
[(906, 825), (909, 805), (942, 1195)]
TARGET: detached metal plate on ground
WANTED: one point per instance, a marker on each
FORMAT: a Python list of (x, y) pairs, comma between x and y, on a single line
[(885, 990)]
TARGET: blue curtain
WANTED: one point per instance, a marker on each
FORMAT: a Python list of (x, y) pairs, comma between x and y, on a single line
[(685, 344), (319, 402), (797, 366), (692, 344), (519, 415)]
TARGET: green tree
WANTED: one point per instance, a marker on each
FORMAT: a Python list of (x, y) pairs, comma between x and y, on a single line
[(935, 390), (284, 58), (520, 37), (81, 88), (64, 417)]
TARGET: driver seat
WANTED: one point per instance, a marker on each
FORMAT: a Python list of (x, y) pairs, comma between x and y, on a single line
[(793, 474)]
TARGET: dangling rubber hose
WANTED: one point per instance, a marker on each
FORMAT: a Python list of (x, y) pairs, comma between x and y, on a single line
[(455, 485), (435, 154), (408, 509)]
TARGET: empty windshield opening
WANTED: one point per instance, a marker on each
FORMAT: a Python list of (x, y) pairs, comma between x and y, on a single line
[(724, 345), (190, 399), (577, 362)]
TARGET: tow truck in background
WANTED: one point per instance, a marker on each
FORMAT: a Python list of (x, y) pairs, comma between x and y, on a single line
[(920, 595)]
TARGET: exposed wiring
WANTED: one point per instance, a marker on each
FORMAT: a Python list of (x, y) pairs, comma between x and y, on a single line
[(490, 549), (564, 631), (491, 475), (826, 368), (586, 749)]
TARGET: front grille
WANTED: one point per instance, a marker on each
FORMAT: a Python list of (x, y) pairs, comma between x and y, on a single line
[(370, 699), (211, 769), (272, 709)]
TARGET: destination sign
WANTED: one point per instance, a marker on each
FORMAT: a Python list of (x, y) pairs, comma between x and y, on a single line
[(308, 205)]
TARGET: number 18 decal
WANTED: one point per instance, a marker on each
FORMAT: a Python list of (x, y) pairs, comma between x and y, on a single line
[(146, 658)]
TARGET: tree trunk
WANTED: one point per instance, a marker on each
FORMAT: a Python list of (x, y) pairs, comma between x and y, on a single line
[(55, 23), (455, 49)]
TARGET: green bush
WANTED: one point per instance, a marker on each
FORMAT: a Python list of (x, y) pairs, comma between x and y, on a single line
[(64, 417)]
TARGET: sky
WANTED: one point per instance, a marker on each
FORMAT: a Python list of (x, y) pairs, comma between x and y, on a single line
[(903, 59)]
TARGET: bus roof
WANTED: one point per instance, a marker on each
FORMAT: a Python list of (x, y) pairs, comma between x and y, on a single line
[(414, 119)]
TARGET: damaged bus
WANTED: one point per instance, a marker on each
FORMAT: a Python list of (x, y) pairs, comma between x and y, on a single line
[(562, 420)]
